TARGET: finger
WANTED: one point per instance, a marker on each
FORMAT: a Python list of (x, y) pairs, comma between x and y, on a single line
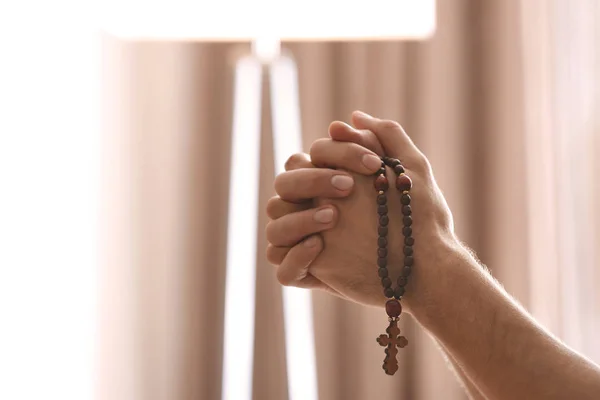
[(344, 155), (277, 208), (276, 254), (343, 132), (292, 228), (396, 143), (298, 160), (294, 267), (306, 183), (293, 264)]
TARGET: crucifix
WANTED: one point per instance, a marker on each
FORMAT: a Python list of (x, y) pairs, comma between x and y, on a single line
[(391, 341)]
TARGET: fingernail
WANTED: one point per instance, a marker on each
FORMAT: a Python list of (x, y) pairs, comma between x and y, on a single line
[(324, 215), (342, 182), (311, 241), (373, 163), (361, 114)]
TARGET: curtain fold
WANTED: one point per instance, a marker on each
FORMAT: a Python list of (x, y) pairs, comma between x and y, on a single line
[(465, 97)]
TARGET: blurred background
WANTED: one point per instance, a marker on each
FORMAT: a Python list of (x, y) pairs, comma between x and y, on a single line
[(114, 186)]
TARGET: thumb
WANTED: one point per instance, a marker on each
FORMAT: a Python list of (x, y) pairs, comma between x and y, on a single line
[(395, 142), (343, 132)]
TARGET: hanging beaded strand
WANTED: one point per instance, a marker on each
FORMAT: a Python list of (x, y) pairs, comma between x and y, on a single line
[(391, 341)]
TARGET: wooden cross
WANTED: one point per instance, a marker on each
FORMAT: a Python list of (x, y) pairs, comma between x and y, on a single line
[(391, 341)]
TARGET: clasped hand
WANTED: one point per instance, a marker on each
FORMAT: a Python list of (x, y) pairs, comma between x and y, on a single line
[(322, 232)]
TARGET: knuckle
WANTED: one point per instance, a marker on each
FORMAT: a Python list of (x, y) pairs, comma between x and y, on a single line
[(273, 206), (316, 149), (388, 124), (279, 183), (274, 255), (294, 160), (421, 164), (270, 231), (283, 278)]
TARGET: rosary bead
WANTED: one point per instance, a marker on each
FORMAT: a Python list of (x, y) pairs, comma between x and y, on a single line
[(401, 280), (381, 252), (388, 292), (399, 169), (382, 209), (408, 251), (406, 210), (409, 241), (386, 282), (406, 271), (394, 162), (384, 220), (393, 308), (381, 183), (382, 262), (407, 220), (381, 171), (405, 199), (403, 183), (383, 272), (399, 292), (381, 199), (382, 242), (409, 260), (382, 231), (407, 231)]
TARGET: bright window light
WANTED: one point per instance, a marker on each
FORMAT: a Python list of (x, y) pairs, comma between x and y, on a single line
[(48, 200), (240, 277), (286, 19)]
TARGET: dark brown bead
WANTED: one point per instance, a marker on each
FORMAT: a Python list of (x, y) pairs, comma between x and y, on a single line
[(382, 242), (403, 183), (406, 270), (407, 231), (409, 260), (401, 280), (393, 308), (382, 209), (407, 220), (381, 199), (394, 162), (408, 251), (383, 272), (406, 210), (409, 241), (382, 231), (386, 282), (382, 262), (384, 220), (405, 199), (381, 252), (381, 183), (399, 169), (388, 292), (399, 292), (380, 171)]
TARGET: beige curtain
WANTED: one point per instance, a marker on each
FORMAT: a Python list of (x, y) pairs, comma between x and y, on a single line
[(461, 96)]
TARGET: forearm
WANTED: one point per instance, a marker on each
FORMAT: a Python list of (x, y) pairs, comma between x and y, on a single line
[(472, 390), (503, 351)]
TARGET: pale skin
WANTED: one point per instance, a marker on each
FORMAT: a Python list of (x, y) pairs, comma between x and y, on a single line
[(322, 235)]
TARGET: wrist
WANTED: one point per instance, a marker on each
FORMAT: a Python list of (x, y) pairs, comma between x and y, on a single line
[(434, 278)]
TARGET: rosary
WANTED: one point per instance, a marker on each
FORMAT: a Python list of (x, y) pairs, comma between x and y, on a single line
[(391, 341)]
